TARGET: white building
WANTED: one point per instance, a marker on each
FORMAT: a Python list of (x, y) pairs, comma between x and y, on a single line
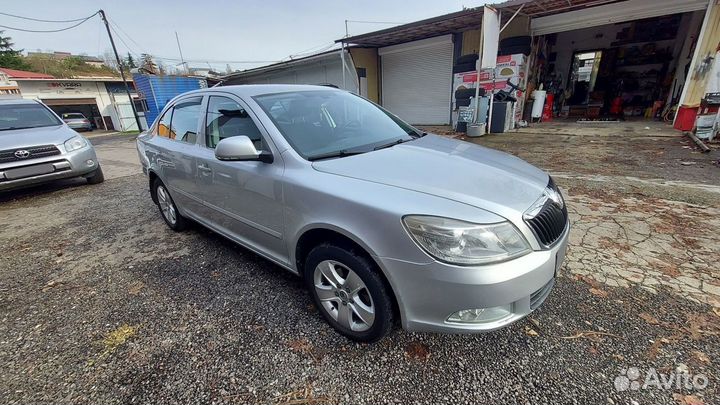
[(101, 99), (8, 88)]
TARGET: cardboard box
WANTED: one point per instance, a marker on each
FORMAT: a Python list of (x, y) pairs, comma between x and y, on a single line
[(502, 85), (509, 71), (517, 59)]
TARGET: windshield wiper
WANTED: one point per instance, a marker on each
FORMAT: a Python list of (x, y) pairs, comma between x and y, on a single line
[(11, 128), (339, 153), (391, 144)]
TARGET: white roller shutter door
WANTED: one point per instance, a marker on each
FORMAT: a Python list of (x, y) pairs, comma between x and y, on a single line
[(417, 80)]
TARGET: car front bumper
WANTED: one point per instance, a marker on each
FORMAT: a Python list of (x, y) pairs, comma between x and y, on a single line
[(65, 165), (80, 125), (428, 294)]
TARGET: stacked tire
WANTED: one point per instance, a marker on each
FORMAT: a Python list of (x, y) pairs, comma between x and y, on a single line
[(463, 96), (515, 45), (465, 63)]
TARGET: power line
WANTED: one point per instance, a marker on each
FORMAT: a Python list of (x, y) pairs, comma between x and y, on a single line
[(130, 50), (126, 35), (45, 31), (374, 22), (114, 24), (46, 21)]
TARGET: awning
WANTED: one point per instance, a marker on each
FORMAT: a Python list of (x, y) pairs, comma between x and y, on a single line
[(470, 18), (68, 101), (539, 8), (432, 27)]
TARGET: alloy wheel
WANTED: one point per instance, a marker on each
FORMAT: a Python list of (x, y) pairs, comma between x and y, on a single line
[(344, 296), (166, 206)]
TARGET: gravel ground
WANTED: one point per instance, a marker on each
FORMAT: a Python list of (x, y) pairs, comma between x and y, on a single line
[(101, 303)]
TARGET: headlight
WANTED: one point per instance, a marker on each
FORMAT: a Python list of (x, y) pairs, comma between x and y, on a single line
[(75, 143), (465, 243)]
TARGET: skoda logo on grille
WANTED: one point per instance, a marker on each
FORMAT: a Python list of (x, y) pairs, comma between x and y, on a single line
[(22, 154), (555, 197)]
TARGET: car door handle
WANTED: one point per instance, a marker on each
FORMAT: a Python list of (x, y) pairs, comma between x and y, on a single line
[(204, 168)]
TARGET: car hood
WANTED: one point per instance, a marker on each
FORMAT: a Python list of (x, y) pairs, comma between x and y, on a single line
[(23, 138), (448, 168)]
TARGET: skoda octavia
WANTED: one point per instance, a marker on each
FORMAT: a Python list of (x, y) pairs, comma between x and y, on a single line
[(383, 222)]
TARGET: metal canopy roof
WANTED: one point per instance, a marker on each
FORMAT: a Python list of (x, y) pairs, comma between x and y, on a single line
[(541, 8), (469, 18), (431, 27)]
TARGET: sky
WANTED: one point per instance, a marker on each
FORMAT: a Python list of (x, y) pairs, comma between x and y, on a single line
[(244, 34)]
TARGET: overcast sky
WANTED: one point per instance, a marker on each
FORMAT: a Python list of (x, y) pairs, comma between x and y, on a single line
[(217, 31)]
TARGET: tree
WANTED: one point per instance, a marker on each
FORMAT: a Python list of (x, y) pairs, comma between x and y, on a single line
[(148, 64), (161, 70), (130, 62), (9, 57), (110, 61)]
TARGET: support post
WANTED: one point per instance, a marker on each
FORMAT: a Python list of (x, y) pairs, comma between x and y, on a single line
[(120, 67)]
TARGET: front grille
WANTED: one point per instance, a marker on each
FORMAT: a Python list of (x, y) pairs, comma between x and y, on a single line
[(548, 225), (539, 296), (8, 155)]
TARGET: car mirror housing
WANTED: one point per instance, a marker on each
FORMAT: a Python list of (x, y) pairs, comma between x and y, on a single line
[(240, 148)]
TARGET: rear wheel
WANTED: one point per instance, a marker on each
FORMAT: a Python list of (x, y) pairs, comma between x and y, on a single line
[(349, 292), (168, 209)]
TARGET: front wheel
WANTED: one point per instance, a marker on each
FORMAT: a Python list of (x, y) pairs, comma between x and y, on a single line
[(168, 209), (96, 177), (349, 292)]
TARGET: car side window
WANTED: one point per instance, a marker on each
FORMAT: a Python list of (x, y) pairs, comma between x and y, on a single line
[(225, 119), (185, 116), (163, 127)]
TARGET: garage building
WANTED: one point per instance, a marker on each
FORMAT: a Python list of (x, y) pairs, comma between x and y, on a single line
[(102, 100), (598, 58)]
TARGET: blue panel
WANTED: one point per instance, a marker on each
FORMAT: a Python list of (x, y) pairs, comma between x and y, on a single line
[(159, 90)]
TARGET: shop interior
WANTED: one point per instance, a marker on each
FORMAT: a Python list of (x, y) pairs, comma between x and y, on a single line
[(629, 70)]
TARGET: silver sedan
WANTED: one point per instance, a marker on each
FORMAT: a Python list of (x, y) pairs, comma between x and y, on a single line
[(384, 222)]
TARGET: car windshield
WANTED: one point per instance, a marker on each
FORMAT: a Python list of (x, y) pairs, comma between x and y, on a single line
[(73, 116), (21, 116), (320, 124)]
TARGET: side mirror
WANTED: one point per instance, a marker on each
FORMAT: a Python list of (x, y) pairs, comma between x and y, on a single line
[(240, 148)]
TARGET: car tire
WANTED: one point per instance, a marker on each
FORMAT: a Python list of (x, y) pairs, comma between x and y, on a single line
[(349, 292), (168, 210), (464, 67), (523, 40), (465, 93), (465, 59), (96, 177)]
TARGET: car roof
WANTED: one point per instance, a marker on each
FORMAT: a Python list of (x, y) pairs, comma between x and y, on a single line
[(11, 101), (251, 90)]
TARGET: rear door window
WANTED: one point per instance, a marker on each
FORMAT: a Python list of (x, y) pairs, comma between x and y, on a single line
[(163, 127)]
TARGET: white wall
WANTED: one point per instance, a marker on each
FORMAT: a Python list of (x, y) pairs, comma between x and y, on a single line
[(326, 70), (68, 88)]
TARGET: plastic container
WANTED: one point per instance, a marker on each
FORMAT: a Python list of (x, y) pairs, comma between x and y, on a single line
[(547, 111), (685, 119), (537, 108)]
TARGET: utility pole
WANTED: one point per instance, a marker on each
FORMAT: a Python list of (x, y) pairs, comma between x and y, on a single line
[(120, 67), (187, 69)]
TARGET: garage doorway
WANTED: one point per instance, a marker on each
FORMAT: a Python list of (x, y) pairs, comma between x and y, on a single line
[(630, 70), (85, 106)]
